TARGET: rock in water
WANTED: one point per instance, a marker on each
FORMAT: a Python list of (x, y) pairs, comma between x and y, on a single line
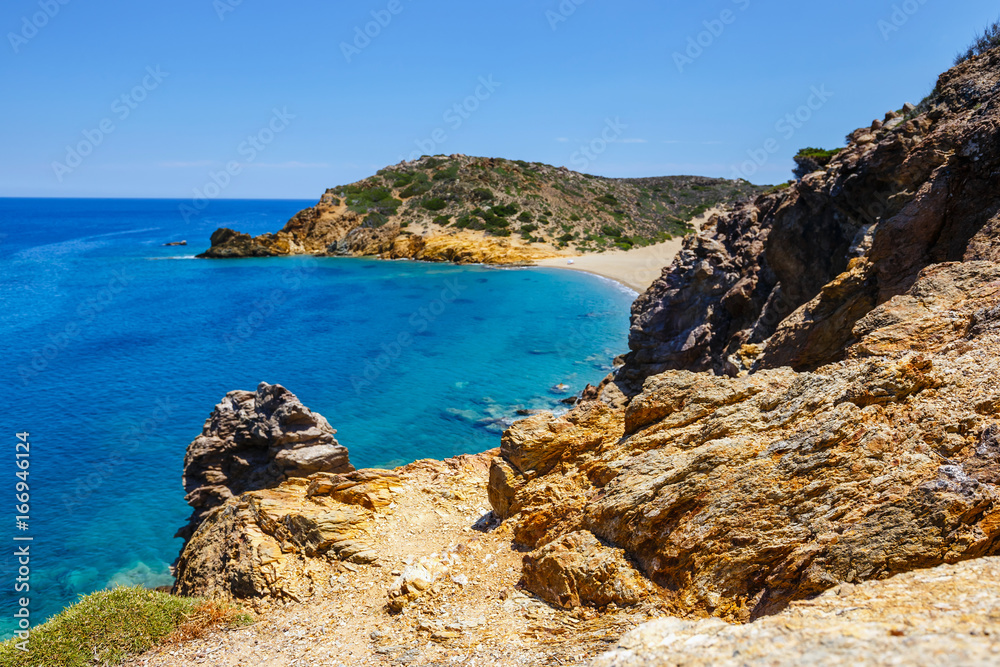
[(256, 440)]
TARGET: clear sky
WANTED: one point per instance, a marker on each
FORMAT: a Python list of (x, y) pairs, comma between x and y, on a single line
[(132, 98)]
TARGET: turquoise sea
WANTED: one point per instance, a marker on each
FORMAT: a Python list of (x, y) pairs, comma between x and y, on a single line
[(115, 350)]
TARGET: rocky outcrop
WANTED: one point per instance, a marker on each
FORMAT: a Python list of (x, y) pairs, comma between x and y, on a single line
[(256, 440), (578, 570), (907, 192), (944, 616), (739, 495)]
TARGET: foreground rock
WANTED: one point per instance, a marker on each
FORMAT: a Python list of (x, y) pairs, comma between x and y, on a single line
[(256, 440), (946, 616), (738, 496)]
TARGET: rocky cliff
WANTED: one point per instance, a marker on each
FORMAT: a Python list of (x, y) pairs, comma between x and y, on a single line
[(783, 280), (810, 399), (466, 209)]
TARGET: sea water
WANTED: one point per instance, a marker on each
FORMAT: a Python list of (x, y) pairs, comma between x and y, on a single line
[(115, 348)]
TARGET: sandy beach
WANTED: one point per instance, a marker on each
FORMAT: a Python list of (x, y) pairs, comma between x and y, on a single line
[(636, 268)]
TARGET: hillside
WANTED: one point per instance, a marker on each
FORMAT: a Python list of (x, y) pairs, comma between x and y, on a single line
[(530, 209)]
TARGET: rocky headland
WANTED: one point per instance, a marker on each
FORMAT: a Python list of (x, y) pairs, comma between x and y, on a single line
[(470, 210), (798, 461)]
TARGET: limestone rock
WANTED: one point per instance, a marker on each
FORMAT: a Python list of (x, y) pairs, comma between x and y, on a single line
[(739, 495), (949, 615), (256, 440), (578, 570)]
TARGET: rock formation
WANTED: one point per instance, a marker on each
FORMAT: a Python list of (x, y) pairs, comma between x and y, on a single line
[(945, 616), (783, 280), (256, 440), (810, 398)]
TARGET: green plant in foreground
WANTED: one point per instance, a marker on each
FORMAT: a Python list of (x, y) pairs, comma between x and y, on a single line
[(108, 627)]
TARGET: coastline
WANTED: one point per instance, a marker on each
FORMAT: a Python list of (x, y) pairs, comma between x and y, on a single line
[(636, 269)]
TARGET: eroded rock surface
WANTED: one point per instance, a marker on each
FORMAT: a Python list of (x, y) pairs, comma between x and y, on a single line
[(782, 281), (949, 615), (739, 495), (256, 440)]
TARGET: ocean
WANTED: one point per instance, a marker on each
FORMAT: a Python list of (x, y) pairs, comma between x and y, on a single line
[(116, 348)]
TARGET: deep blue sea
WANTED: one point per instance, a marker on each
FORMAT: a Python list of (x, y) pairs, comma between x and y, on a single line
[(115, 350)]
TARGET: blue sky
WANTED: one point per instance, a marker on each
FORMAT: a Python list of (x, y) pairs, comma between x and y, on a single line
[(162, 96)]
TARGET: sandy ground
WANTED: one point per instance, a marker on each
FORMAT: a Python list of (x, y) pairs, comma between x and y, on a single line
[(636, 268)]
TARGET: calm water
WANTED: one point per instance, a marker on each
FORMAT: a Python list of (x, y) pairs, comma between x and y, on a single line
[(115, 349)]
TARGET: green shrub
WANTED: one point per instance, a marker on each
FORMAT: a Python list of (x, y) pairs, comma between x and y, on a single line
[(483, 195), (575, 218), (443, 220), (434, 204), (525, 217), (505, 210), (449, 174), (109, 627), (608, 199), (609, 230)]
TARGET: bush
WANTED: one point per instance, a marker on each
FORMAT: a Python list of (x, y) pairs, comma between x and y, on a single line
[(505, 210), (448, 174), (109, 627), (525, 217), (434, 204), (983, 43), (443, 220), (608, 199), (609, 230), (482, 195), (415, 190)]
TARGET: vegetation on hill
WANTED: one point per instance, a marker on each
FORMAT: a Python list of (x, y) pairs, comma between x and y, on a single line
[(537, 202)]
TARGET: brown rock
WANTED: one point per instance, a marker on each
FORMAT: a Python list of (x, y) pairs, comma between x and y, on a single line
[(256, 440), (578, 570), (738, 495)]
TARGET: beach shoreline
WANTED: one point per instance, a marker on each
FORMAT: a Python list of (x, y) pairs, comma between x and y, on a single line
[(637, 268)]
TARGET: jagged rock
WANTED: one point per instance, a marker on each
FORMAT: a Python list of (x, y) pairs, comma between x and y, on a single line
[(948, 615), (738, 495), (578, 570), (920, 189), (256, 440), (268, 543)]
